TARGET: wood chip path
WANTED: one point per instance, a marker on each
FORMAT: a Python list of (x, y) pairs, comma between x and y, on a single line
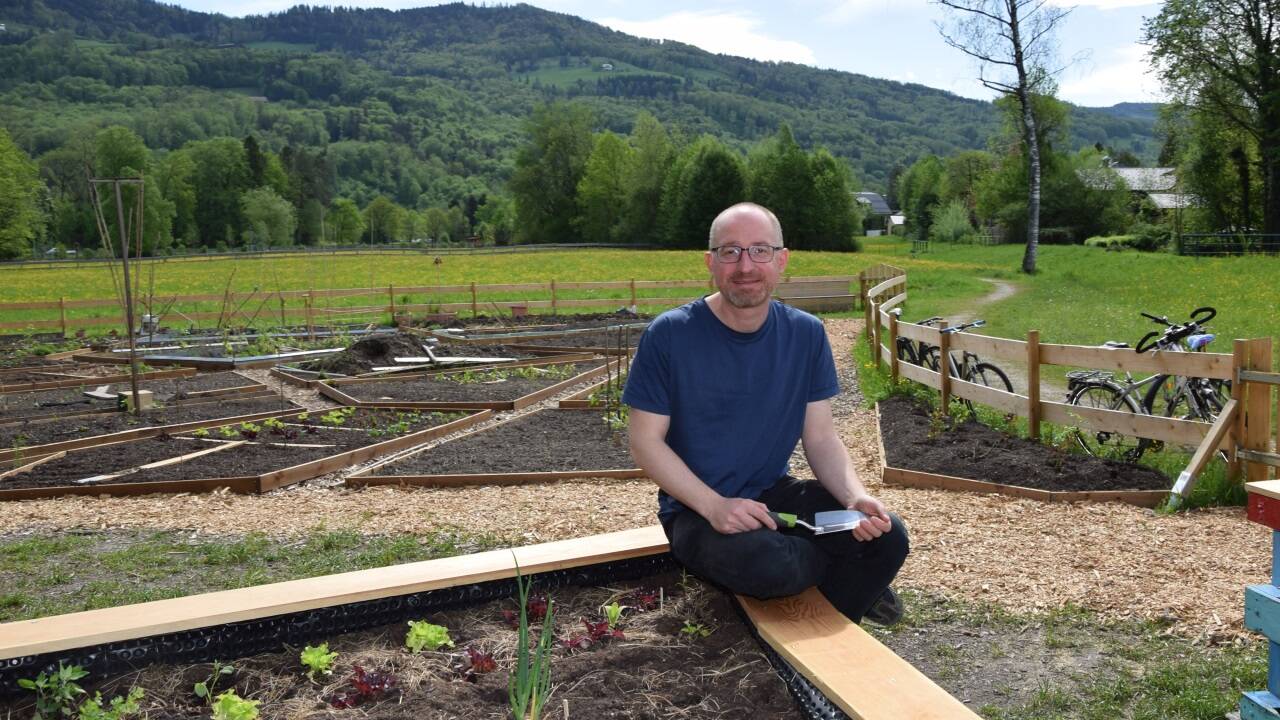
[(1188, 570)]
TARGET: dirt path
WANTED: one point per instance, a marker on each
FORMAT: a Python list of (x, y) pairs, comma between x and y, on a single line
[(1001, 290), (1188, 570)]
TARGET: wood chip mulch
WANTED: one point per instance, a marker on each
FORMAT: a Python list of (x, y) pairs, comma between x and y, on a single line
[(1186, 570)]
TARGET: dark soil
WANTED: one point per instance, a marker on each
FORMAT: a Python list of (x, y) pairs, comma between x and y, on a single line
[(240, 461), (913, 440), (654, 671), (73, 399), (373, 351), (42, 432), (609, 339), (545, 441), (442, 389)]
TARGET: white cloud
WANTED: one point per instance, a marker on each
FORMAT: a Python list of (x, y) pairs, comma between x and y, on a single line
[(1126, 77), (730, 33)]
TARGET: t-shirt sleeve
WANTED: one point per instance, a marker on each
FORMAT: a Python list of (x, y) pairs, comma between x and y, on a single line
[(649, 378), (824, 384)]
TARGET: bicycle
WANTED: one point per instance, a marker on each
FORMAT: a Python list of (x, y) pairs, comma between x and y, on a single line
[(1186, 398), (969, 368), (918, 353)]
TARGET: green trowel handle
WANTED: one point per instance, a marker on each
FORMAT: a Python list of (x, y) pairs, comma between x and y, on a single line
[(783, 519)]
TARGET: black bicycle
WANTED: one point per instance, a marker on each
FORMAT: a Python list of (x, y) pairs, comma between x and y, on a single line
[(969, 367)]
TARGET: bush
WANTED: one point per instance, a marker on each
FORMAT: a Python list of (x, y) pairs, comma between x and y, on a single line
[(1110, 242), (1150, 237), (950, 223), (1057, 236)]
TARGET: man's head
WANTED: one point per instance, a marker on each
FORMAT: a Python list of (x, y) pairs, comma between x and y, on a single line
[(745, 254)]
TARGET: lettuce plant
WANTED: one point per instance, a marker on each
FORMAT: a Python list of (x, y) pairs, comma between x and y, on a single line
[(424, 635), (318, 660)]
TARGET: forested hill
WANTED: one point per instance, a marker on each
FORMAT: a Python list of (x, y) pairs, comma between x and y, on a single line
[(427, 105)]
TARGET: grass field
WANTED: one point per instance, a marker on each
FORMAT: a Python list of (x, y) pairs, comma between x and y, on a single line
[(1080, 295)]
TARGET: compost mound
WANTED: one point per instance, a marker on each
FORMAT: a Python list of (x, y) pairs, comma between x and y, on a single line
[(915, 440), (373, 351)]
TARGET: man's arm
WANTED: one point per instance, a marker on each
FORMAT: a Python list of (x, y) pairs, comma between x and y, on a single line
[(832, 466), (651, 452)]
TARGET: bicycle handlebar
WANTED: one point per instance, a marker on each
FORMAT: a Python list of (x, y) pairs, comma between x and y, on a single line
[(1208, 312), (1174, 332), (1163, 320), (962, 328)]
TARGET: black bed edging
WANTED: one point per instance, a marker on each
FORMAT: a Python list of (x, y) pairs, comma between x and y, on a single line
[(810, 699), (233, 640)]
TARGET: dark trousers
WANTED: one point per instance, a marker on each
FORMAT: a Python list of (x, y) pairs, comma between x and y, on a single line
[(766, 563)]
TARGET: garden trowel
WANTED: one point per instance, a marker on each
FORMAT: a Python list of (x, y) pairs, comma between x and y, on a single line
[(823, 522)]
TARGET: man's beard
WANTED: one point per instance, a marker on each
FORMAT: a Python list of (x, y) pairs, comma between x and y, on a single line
[(743, 298)]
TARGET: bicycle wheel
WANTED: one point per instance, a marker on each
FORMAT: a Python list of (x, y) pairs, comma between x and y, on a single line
[(930, 357), (906, 351), (991, 376), (1101, 443)]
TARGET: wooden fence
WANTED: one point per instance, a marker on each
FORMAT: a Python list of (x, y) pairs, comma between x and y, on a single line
[(321, 307), (1243, 428)]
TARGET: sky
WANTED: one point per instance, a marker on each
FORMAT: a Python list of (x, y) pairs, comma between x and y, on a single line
[(1099, 41)]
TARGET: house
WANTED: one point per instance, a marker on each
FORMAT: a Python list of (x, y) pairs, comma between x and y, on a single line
[(878, 212), (606, 66), (1159, 185)]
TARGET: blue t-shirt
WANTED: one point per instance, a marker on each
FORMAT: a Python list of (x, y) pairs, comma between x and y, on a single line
[(736, 400)]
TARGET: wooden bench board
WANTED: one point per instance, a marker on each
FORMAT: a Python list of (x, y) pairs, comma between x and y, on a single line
[(867, 680)]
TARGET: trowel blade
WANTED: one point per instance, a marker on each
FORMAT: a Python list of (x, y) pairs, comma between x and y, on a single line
[(837, 520)]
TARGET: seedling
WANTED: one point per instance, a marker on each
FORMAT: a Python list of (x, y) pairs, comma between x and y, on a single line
[(695, 630), (318, 660), (205, 688), (423, 635), (338, 417), (530, 681), (249, 431), (536, 606), (597, 632), (230, 706), (200, 433), (476, 662), (117, 709), (613, 613), (365, 686), (55, 693), (228, 432)]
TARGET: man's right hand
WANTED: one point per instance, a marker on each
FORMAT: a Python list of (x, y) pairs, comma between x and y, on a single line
[(735, 515)]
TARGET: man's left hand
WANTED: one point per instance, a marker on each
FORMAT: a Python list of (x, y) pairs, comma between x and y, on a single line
[(877, 522)]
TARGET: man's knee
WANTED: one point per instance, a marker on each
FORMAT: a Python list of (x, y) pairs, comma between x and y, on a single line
[(896, 542), (760, 563)]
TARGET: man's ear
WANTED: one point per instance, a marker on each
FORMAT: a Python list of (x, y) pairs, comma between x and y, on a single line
[(707, 259)]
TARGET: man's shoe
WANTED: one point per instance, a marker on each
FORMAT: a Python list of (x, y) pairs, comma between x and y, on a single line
[(887, 610)]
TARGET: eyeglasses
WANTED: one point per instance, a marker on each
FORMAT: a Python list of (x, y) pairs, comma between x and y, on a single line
[(733, 253)]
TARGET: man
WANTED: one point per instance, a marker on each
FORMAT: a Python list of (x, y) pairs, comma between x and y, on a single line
[(720, 391)]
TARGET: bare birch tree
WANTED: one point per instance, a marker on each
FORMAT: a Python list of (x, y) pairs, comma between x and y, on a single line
[(1012, 40)]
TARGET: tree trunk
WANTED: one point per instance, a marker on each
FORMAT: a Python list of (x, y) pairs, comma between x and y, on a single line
[(1269, 152), (1033, 184)]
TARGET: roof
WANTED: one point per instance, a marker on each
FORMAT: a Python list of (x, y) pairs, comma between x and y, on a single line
[(1173, 201), (1148, 179), (875, 201)]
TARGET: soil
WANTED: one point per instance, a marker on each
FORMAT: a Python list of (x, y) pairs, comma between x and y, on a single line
[(545, 441), (654, 671), (241, 461), (442, 389), (73, 399), (367, 353), (915, 440), (42, 432)]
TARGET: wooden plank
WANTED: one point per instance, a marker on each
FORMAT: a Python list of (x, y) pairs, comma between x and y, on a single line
[(1263, 509), (1182, 432), (95, 627), (31, 465), (1266, 488), (1257, 376), (919, 333), (875, 291), (1259, 705), (987, 347), (243, 485), (920, 374), (1033, 384), (999, 399), (1213, 439), (860, 675), (1257, 456), (1206, 365), (1262, 610), (362, 480), (893, 302), (1257, 408), (916, 478), (104, 380)]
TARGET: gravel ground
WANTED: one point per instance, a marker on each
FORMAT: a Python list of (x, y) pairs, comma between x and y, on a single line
[(1186, 570)]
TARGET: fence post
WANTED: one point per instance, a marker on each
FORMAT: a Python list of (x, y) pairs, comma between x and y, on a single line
[(391, 297), (893, 348), (62, 312), (874, 333), (474, 311), (311, 327), (284, 323), (1033, 384), (554, 310), (1257, 414), (633, 292), (944, 367), (1238, 356)]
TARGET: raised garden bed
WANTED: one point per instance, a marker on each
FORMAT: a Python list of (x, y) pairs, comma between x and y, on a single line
[(509, 387), (41, 436), (245, 457), (21, 386), (538, 447), (921, 449), (72, 400)]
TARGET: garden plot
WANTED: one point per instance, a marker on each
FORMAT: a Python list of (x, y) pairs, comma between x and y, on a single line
[(537, 447), (676, 649), (244, 456), (509, 387), (81, 375), (924, 449), (72, 400)]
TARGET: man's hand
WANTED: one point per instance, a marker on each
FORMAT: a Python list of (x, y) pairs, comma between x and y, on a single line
[(735, 515), (877, 522)]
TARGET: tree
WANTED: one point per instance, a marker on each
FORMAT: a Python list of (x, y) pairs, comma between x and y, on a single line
[(497, 219), (384, 220), (271, 219), (704, 180), (653, 155), (21, 217), (919, 190), (344, 223), (119, 152), (812, 195), (602, 192), (548, 169), (1011, 40), (1221, 58)]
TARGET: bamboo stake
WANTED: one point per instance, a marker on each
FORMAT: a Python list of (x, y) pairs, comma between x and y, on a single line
[(1033, 384)]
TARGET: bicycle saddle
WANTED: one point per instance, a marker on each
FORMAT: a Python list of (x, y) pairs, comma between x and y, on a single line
[(1195, 342), (1115, 344)]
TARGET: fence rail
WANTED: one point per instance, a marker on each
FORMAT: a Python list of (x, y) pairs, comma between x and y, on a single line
[(1243, 429), (312, 307), (1218, 244)]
